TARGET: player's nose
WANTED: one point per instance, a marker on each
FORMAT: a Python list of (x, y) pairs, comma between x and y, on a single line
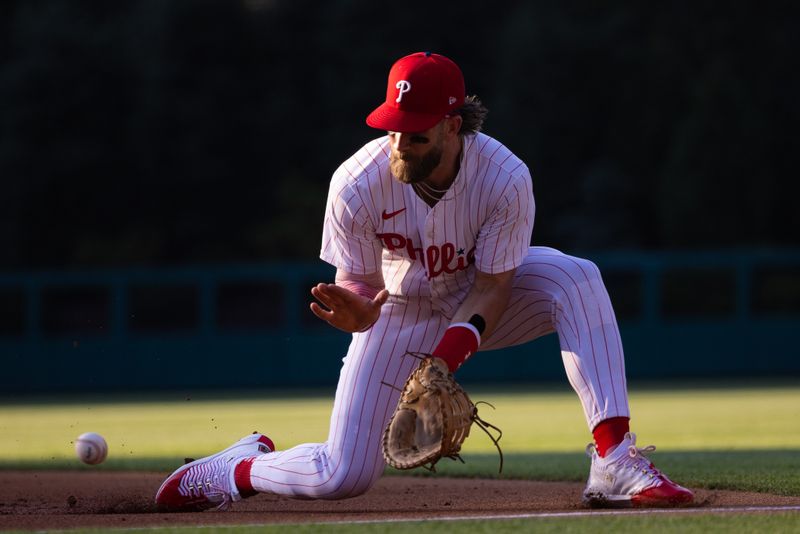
[(401, 142)]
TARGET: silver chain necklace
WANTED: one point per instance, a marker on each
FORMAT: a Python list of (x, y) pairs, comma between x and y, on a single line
[(431, 188), (423, 192)]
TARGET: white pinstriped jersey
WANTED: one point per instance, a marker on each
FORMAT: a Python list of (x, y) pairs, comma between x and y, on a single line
[(374, 222)]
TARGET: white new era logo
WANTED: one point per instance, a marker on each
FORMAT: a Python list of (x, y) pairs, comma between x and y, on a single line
[(451, 100)]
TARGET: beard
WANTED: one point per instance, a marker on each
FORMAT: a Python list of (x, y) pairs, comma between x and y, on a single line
[(411, 170)]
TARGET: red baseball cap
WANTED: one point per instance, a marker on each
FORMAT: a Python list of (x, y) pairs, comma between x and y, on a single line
[(422, 89)]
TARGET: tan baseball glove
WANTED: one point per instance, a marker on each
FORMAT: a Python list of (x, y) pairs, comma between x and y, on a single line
[(432, 419)]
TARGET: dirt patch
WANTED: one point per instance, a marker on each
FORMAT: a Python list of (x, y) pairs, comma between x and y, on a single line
[(47, 500)]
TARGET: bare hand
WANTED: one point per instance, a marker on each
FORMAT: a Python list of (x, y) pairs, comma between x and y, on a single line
[(346, 310)]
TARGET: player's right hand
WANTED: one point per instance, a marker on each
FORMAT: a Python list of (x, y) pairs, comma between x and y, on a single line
[(346, 310)]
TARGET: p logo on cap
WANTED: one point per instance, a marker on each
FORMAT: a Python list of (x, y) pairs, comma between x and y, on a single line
[(403, 87), (422, 89)]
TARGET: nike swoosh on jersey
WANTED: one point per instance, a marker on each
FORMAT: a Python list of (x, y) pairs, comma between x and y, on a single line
[(387, 216)]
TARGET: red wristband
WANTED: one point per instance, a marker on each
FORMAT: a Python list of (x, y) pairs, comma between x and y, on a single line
[(459, 342)]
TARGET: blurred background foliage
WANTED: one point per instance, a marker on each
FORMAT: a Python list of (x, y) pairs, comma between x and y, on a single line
[(155, 132)]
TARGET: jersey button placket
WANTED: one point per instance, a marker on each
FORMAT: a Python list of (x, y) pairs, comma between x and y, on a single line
[(430, 224)]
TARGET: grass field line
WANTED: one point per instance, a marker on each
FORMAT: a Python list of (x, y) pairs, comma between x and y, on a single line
[(587, 513), (497, 517)]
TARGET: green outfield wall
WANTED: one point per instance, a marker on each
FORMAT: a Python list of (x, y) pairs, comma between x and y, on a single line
[(682, 315)]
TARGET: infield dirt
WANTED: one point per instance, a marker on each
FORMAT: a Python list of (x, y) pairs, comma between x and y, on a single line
[(35, 500)]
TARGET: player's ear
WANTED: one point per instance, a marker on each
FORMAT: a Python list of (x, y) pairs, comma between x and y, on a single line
[(453, 124)]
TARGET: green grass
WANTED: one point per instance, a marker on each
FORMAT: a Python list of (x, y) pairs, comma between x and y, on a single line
[(141, 430), (745, 438), (657, 524), (681, 420), (738, 438)]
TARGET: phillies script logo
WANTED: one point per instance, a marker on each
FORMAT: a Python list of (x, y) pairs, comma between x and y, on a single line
[(436, 259)]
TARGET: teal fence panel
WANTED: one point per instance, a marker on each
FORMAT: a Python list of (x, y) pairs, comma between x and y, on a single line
[(682, 315), (686, 315)]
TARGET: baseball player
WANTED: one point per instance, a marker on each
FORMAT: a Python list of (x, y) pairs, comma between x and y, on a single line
[(429, 229)]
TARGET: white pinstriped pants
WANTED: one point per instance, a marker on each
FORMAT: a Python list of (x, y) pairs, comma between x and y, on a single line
[(551, 292)]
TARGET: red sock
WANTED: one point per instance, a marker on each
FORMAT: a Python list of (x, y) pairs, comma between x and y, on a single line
[(609, 433), (459, 341), (241, 476)]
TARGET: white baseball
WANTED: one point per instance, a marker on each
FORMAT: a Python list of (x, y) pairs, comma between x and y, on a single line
[(91, 448)]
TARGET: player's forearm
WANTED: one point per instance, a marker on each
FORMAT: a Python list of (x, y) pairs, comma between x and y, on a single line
[(487, 298), (476, 318)]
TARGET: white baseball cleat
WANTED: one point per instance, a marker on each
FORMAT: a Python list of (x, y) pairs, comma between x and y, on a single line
[(625, 477), (209, 482)]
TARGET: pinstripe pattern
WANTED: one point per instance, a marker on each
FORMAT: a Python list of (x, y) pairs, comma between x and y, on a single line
[(489, 207), (351, 460), (374, 223), (556, 292)]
